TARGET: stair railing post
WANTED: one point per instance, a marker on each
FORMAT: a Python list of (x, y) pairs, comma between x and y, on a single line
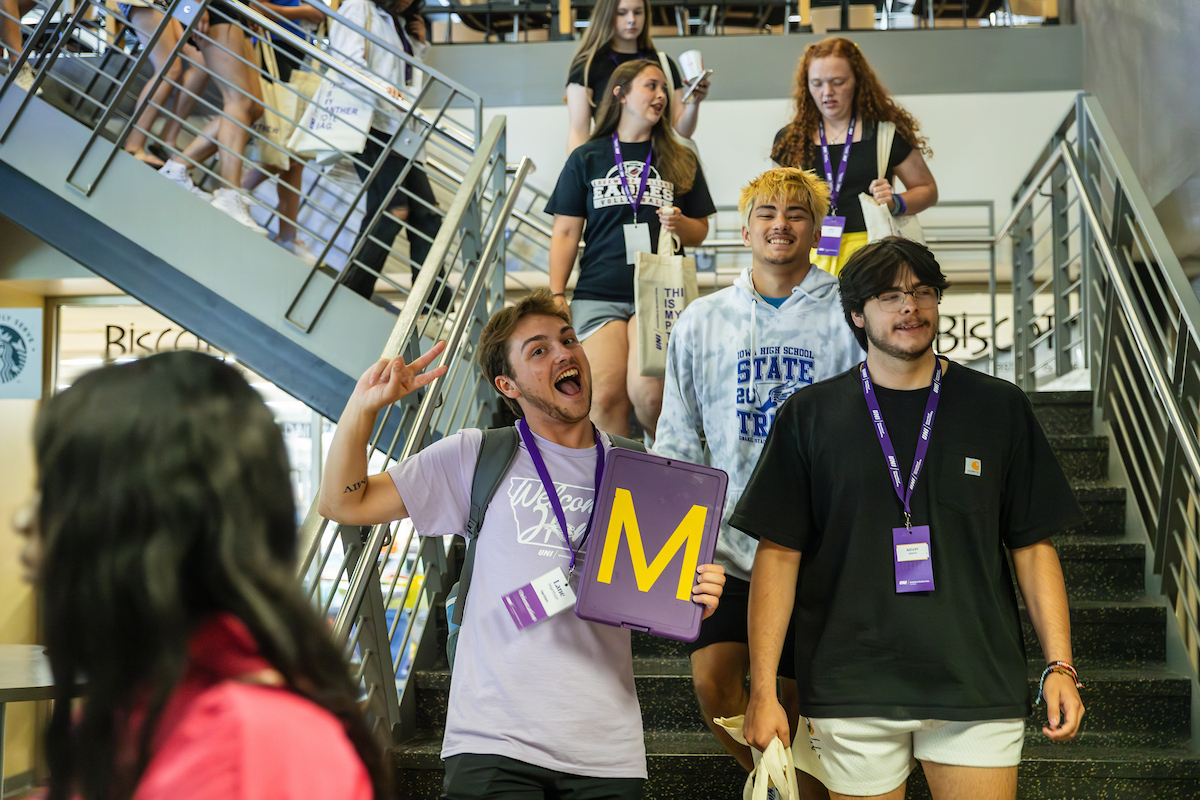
[(1022, 281), (1172, 488), (374, 648), (1060, 337)]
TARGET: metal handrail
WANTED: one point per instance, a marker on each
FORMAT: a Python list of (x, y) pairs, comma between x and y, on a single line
[(1124, 292), (361, 622), (421, 116), (1116, 302)]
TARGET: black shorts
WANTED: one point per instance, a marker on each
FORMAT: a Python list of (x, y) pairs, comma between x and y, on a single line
[(728, 624), (288, 57), (488, 777)]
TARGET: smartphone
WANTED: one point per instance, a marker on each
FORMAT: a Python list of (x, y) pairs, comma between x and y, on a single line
[(692, 84)]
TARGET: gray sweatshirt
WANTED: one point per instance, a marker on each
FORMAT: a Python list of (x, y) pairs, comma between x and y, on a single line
[(732, 360)]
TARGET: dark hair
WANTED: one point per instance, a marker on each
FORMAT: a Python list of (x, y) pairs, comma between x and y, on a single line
[(675, 162), (166, 497), (494, 341), (874, 269)]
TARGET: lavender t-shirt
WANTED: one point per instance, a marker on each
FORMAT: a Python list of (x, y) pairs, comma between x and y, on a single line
[(560, 694)]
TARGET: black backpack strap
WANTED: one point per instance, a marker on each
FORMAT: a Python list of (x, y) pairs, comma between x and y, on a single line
[(628, 444), (496, 455)]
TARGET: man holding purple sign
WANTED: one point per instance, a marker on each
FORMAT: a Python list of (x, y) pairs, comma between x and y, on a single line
[(885, 503), (542, 703)]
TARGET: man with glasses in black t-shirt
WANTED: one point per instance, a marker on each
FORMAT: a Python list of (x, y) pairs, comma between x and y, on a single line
[(885, 501)]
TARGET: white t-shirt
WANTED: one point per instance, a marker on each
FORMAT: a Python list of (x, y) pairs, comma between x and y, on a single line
[(560, 694)]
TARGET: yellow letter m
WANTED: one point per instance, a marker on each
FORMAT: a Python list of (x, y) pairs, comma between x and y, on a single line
[(624, 518)]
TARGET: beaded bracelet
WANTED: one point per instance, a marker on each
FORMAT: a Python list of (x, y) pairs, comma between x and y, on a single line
[(901, 206), (1057, 666)]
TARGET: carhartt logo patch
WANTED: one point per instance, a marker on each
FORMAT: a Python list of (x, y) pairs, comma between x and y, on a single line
[(973, 466)]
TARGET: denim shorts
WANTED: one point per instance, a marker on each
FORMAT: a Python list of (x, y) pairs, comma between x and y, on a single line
[(589, 316)]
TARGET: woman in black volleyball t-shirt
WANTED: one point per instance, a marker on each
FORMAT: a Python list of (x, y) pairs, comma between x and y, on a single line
[(590, 191), (606, 46)]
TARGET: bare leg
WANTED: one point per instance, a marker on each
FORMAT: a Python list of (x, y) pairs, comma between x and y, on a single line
[(894, 794), (202, 147), (10, 29), (238, 109), (978, 783), (719, 675), (145, 21), (289, 187), (607, 351), (194, 80), (644, 393)]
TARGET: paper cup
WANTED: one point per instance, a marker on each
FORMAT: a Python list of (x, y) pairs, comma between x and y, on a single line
[(692, 64)]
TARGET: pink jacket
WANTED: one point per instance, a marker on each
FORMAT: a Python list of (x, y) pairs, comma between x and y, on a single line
[(223, 739)]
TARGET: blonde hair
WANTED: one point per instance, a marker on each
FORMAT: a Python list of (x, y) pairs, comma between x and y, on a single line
[(786, 183)]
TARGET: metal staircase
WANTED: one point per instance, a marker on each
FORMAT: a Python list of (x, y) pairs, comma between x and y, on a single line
[(67, 180)]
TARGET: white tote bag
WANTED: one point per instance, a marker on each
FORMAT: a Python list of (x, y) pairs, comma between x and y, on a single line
[(663, 285), (773, 769), (336, 119), (880, 222)]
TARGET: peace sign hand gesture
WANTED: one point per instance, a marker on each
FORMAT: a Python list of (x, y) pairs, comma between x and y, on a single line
[(388, 380)]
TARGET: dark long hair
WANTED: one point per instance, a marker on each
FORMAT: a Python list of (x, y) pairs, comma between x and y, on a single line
[(165, 497), (871, 101), (675, 162)]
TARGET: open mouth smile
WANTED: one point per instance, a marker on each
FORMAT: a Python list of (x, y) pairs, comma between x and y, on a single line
[(568, 382)]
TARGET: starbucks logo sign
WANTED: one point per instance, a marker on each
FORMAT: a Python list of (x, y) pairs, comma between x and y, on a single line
[(14, 352), (21, 353)]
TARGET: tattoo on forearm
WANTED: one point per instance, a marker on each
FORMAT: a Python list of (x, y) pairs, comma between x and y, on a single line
[(355, 487)]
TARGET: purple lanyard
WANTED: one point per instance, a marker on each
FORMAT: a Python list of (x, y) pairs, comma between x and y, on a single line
[(885, 441), (552, 493), (835, 184), (407, 49), (633, 201)]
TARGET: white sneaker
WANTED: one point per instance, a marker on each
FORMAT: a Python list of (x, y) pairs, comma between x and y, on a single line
[(300, 250), (25, 78), (174, 171), (235, 205)]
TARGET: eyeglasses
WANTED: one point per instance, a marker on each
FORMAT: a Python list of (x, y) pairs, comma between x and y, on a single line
[(923, 296)]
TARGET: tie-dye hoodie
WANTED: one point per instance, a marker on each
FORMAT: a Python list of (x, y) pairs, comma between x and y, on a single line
[(732, 360)]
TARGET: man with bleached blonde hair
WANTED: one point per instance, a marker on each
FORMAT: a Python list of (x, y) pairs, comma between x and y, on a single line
[(734, 357)]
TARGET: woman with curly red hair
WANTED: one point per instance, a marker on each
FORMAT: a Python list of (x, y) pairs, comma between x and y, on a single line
[(838, 100)]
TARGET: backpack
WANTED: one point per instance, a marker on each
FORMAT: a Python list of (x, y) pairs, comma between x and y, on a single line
[(496, 456)]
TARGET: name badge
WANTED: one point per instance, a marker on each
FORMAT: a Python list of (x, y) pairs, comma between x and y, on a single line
[(914, 566), (637, 240), (831, 236), (540, 598)]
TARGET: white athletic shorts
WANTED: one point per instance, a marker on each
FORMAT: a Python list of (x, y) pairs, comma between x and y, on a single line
[(869, 755)]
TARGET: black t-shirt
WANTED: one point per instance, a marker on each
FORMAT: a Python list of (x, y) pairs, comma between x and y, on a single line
[(822, 487), (862, 169), (605, 62), (590, 188)]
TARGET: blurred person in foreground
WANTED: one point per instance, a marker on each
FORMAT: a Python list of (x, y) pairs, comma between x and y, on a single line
[(162, 543)]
